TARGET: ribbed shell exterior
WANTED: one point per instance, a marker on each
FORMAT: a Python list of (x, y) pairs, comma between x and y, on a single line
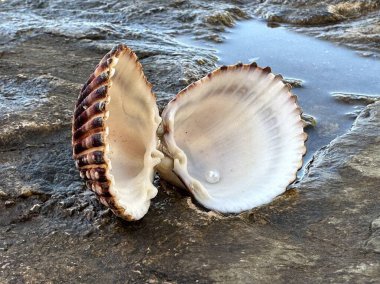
[(89, 130)]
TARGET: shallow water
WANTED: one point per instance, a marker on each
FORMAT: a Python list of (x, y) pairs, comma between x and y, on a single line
[(324, 68)]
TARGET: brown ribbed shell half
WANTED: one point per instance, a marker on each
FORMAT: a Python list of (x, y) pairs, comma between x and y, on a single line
[(114, 134)]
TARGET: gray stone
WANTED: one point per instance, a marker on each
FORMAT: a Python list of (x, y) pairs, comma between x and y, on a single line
[(3, 195), (295, 83), (375, 225), (9, 203), (309, 120), (355, 98), (36, 208), (373, 244)]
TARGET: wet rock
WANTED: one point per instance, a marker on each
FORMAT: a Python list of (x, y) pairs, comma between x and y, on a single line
[(45, 94), (309, 120), (36, 208), (355, 98), (26, 192), (344, 176), (350, 22), (355, 113), (226, 18), (365, 54), (365, 162), (3, 195), (221, 19), (9, 203), (217, 38), (373, 244), (305, 17), (375, 225), (353, 9), (68, 202), (295, 83)]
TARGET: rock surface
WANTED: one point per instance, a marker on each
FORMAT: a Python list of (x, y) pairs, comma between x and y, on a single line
[(354, 23), (324, 229)]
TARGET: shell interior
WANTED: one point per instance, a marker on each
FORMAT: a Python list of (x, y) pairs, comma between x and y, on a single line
[(236, 137)]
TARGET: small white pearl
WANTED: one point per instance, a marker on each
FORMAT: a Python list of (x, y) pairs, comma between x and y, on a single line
[(212, 176)]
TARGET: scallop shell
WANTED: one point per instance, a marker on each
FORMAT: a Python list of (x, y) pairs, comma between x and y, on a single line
[(234, 139), (114, 134)]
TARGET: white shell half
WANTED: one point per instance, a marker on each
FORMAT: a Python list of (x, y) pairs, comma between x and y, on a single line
[(235, 137)]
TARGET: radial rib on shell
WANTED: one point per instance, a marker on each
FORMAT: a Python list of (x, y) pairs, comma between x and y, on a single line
[(114, 134)]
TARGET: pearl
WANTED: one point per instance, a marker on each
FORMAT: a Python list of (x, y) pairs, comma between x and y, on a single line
[(212, 176)]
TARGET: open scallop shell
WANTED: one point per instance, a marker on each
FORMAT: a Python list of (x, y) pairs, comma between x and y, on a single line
[(234, 139), (114, 134)]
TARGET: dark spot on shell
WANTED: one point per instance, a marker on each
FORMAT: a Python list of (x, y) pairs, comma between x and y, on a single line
[(98, 157), (97, 140), (267, 69), (97, 122), (253, 65), (101, 78)]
